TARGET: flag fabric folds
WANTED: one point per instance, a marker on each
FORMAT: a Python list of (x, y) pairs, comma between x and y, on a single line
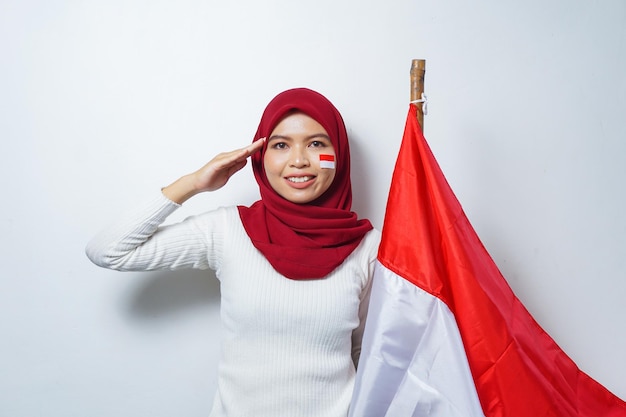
[(445, 335)]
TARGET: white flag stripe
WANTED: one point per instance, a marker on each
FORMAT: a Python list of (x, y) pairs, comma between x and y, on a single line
[(327, 164), (413, 361)]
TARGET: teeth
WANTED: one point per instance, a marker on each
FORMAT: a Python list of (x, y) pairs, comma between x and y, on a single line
[(299, 179)]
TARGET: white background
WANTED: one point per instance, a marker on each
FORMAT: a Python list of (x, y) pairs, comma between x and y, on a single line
[(102, 103)]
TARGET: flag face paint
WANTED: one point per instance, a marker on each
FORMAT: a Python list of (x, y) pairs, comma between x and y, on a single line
[(327, 161)]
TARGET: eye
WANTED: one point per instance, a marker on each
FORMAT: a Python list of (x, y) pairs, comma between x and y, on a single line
[(279, 145), (317, 144)]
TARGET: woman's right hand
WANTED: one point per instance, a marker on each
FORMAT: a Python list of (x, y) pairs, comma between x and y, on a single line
[(212, 176)]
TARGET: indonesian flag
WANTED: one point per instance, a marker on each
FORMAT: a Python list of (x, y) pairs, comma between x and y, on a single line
[(327, 161), (445, 335)]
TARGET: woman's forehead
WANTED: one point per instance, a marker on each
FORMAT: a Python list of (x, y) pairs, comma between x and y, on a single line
[(299, 121)]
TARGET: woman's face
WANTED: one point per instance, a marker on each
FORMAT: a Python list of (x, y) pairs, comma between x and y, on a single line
[(292, 159)]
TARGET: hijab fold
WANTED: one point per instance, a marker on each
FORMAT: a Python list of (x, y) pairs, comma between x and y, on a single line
[(305, 241)]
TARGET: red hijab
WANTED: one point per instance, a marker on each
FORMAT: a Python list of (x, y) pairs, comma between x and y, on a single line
[(305, 241)]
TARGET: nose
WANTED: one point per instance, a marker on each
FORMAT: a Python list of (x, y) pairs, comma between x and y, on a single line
[(299, 157)]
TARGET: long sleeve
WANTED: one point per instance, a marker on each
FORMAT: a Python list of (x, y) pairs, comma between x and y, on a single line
[(138, 242), (357, 334)]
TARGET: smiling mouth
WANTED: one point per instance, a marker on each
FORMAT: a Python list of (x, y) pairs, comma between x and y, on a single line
[(299, 179)]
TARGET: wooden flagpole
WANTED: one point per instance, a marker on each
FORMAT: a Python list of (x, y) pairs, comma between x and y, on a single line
[(418, 70)]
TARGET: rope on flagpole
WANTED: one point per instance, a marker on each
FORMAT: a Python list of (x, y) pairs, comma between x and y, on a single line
[(424, 101), (418, 71)]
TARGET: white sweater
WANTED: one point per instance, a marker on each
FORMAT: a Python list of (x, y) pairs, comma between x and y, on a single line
[(289, 347)]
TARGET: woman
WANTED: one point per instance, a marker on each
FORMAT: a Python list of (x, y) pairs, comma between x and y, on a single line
[(294, 268)]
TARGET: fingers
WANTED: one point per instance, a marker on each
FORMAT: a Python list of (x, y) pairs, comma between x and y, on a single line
[(243, 153), (257, 145), (216, 173), (236, 167), (228, 160), (253, 148)]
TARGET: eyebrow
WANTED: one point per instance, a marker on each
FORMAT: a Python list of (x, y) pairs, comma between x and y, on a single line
[(313, 136)]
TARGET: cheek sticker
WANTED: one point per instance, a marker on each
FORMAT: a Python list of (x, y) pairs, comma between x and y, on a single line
[(327, 161)]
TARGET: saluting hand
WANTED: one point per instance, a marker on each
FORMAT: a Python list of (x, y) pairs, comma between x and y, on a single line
[(212, 176)]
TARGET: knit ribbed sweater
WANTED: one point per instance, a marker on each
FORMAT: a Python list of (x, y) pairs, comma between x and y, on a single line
[(289, 347)]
